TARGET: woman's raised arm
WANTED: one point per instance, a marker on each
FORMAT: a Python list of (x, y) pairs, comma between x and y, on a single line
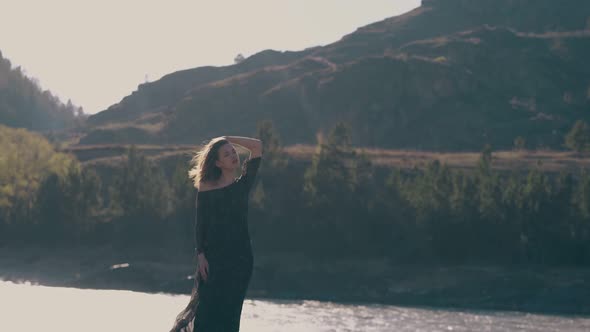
[(252, 144)]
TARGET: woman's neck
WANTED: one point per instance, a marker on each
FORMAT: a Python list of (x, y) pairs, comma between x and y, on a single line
[(226, 177)]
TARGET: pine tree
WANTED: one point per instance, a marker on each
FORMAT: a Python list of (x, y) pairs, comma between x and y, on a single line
[(141, 198), (578, 138), (140, 188), (519, 143), (332, 175), (274, 156)]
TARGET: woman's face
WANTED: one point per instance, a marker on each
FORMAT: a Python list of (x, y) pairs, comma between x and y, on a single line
[(227, 157)]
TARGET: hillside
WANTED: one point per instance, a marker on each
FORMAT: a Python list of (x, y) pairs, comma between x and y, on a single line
[(548, 161), (449, 75), (23, 104)]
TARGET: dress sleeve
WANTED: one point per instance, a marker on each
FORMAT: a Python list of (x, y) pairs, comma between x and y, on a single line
[(249, 171), (201, 224)]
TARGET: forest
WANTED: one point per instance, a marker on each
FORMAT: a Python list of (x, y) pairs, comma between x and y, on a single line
[(336, 205)]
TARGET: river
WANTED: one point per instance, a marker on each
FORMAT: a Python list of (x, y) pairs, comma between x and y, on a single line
[(26, 307)]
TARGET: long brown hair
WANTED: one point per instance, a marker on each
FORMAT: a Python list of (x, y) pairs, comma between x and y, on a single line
[(204, 168)]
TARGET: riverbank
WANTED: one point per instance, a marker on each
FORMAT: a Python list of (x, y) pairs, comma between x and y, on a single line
[(291, 276)]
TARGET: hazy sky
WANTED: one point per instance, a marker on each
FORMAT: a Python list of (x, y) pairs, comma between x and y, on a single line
[(97, 52)]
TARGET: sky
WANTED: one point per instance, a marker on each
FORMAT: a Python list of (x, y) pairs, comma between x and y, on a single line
[(97, 52)]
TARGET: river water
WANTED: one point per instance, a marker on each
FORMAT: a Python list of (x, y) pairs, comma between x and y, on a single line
[(26, 307)]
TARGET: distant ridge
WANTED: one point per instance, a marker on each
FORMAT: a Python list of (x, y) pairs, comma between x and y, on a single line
[(449, 75)]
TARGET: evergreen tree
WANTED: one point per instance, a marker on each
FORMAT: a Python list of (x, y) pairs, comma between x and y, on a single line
[(183, 206), (141, 197), (140, 190), (273, 152), (65, 205), (582, 195), (488, 183), (239, 58), (332, 175), (578, 138), (519, 143), (331, 187)]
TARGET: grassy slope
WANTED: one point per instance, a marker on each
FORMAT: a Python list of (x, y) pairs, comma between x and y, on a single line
[(547, 160)]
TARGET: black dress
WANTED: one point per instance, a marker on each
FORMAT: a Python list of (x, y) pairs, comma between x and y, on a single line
[(221, 231)]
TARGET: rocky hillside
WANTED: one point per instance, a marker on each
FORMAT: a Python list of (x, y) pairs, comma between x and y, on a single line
[(449, 75)]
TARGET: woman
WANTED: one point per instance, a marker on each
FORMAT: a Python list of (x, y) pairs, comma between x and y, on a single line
[(224, 254)]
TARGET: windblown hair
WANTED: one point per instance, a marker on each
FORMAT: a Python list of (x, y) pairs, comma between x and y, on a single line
[(204, 168)]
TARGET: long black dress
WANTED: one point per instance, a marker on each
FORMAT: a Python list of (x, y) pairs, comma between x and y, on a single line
[(221, 231)]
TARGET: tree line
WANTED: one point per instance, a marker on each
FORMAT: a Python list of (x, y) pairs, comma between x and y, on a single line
[(24, 104), (337, 205)]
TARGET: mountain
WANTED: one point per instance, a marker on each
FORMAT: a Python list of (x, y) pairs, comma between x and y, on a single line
[(24, 105), (449, 75)]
